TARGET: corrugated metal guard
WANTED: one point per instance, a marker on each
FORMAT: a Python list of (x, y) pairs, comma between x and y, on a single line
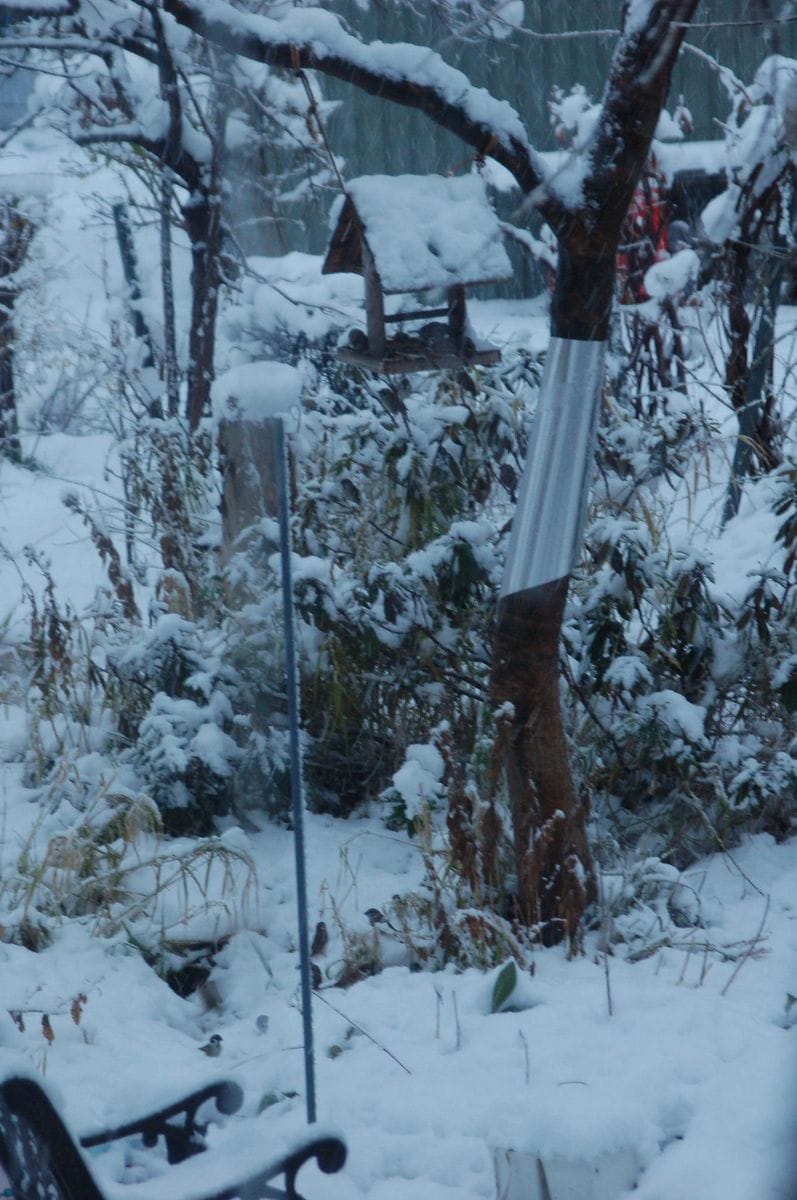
[(549, 520)]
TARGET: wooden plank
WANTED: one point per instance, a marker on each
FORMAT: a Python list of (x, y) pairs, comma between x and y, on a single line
[(418, 314), (405, 364)]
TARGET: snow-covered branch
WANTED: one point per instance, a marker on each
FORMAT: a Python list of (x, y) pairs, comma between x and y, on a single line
[(61, 45), (16, 10), (133, 134), (734, 88), (410, 75), (635, 93), (536, 247)]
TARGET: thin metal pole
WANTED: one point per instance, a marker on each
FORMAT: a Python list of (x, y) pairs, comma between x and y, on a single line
[(297, 788)]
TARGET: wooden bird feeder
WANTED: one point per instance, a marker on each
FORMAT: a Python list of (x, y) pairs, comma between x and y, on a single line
[(417, 233)]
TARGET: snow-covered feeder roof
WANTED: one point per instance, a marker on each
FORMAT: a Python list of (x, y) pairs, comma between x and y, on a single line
[(423, 231)]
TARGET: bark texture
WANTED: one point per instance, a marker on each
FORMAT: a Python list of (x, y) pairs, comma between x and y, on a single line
[(203, 222), (9, 424), (16, 232), (555, 880)]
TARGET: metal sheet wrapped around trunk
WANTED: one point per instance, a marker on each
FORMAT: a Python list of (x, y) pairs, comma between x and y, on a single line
[(549, 520)]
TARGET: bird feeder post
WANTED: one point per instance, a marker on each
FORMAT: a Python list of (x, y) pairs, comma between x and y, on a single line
[(457, 316), (374, 304)]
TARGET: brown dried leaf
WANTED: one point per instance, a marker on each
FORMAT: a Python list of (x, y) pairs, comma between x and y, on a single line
[(47, 1029), (76, 1008)]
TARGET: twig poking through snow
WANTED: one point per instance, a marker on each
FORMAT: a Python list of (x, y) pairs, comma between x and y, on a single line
[(751, 947), (457, 1025), (527, 1064), (690, 947)]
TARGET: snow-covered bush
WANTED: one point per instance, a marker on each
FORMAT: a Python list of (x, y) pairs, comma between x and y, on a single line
[(681, 729), (158, 699), (109, 865), (404, 495), (182, 750)]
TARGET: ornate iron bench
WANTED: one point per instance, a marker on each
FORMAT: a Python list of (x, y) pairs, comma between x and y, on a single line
[(42, 1160)]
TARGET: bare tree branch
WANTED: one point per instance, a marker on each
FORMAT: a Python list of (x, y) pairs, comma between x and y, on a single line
[(132, 134), (428, 84)]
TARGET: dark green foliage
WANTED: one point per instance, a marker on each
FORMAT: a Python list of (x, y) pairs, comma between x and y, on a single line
[(681, 694), (401, 508)]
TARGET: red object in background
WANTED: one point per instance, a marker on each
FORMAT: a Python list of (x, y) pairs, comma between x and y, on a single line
[(643, 240)]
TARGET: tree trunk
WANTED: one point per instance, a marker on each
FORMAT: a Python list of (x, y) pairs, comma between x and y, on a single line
[(748, 375), (555, 876), (203, 223), (555, 880), (171, 370), (9, 424), (554, 868), (127, 254), (16, 232)]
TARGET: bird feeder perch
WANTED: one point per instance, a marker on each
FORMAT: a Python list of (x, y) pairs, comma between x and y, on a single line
[(417, 233)]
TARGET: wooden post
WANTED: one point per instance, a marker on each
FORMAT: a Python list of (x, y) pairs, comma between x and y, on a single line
[(248, 457), (248, 453), (374, 304), (457, 316)]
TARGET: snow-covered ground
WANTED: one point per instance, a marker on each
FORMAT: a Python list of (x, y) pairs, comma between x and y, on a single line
[(693, 1072)]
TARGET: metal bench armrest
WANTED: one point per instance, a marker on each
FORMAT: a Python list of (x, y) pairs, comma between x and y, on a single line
[(183, 1138), (44, 1161), (239, 1165)]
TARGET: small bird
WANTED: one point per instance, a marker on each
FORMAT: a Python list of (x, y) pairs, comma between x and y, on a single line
[(377, 918), (213, 1047), (320, 939)]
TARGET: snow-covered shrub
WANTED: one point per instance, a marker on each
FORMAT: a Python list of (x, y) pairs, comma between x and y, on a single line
[(194, 681), (110, 865), (404, 492), (179, 714), (417, 785), (683, 731), (404, 495), (158, 699)]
